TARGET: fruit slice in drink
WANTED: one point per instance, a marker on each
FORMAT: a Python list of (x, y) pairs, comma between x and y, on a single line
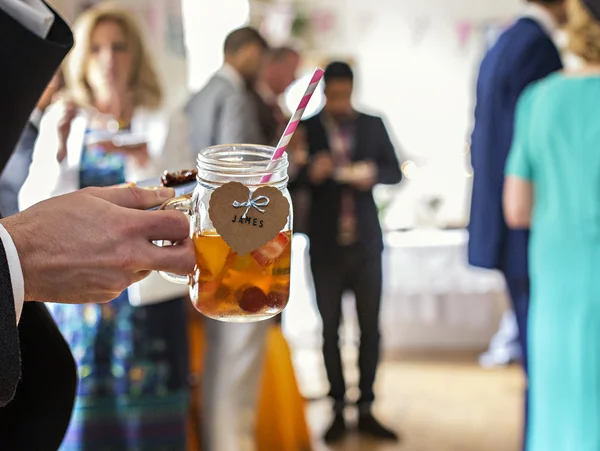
[(237, 286)]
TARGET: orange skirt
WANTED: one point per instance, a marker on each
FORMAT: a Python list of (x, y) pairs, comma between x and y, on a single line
[(281, 422)]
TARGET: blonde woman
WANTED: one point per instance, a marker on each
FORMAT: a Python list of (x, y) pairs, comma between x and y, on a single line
[(132, 360), (553, 175)]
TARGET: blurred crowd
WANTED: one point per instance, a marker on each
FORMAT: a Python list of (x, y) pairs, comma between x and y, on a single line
[(155, 374)]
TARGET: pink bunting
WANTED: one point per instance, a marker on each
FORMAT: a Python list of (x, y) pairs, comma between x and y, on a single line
[(464, 31)]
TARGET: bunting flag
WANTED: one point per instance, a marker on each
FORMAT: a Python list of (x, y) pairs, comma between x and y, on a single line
[(464, 31), (323, 21)]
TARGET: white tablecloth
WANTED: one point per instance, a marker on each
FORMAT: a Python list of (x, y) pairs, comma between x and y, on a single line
[(432, 298)]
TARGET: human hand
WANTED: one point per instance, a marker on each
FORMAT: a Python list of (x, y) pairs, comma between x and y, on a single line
[(69, 111), (363, 175), (321, 167), (90, 245)]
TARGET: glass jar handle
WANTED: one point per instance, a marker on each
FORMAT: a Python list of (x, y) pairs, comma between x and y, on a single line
[(183, 204)]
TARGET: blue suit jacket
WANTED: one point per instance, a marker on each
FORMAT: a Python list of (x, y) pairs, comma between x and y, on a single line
[(522, 55)]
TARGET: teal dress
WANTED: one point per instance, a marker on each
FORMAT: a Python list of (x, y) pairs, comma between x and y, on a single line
[(133, 361), (557, 148)]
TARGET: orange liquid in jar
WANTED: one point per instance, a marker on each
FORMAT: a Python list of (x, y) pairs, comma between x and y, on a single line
[(233, 287)]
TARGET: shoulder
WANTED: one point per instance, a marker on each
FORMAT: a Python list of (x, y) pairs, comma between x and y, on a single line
[(213, 86), (371, 120), (524, 39), (533, 40), (543, 88), (536, 92), (526, 28)]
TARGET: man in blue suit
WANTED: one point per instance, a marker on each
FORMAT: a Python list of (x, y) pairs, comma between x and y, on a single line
[(523, 54)]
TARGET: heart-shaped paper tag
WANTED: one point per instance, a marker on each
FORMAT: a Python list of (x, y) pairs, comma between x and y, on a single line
[(246, 220)]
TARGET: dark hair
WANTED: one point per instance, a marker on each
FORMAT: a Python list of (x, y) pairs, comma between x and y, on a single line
[(240, 38), (338, 70), (279, 54)]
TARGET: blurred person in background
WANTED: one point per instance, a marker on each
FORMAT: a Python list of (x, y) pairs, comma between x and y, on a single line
[(224, 111), (277, 74), (16, 170), (552, 171), (524, 53), (132, 360), (281, 423), (349, 152), (504, 348)]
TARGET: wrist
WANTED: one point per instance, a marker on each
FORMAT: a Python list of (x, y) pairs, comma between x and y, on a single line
[(18, 230)]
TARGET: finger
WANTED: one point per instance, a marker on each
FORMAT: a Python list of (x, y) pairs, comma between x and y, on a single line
[(179, 259), (133, 196), (162, 225)]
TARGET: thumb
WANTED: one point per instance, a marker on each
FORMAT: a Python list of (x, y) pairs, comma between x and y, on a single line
[(132, 196)]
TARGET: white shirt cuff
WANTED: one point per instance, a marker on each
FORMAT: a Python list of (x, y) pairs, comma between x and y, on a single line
[(32, 14), (16, 273)]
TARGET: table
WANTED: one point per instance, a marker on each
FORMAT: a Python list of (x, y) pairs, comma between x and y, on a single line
[(431, 299)]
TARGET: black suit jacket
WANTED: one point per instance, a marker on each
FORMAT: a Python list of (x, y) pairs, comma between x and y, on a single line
[(37, 371), (269, 127), (371, 143)]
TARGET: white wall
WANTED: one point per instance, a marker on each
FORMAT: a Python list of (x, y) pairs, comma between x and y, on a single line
[(422, 85), (207, 23)]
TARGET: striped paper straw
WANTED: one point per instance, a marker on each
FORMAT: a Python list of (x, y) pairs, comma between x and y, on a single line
[(295, 119)]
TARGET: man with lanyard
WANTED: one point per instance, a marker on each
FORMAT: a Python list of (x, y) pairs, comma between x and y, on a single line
[(349, 152)]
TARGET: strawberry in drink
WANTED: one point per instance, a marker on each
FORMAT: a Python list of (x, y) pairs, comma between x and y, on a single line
[(236, 287)]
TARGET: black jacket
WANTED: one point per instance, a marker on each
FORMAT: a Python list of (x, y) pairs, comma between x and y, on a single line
[(371, 143), (37, 372)]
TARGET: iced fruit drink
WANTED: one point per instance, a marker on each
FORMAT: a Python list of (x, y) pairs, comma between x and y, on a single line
[(247, 287)]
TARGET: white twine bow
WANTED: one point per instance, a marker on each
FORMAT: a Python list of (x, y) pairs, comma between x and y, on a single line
[(258, 203)]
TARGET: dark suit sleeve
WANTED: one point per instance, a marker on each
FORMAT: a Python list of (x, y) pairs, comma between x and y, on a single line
[(388, 167), (302, 179), (540, 60), (29, 63), (10, 358)]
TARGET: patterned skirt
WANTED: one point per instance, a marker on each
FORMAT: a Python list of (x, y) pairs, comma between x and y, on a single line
[(133, 375)]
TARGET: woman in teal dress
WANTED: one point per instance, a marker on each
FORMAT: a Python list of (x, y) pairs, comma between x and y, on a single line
[(553, 187)]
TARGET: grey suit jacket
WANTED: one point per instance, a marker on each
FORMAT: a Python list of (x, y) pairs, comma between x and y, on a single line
[(222, 113), (16, 171)]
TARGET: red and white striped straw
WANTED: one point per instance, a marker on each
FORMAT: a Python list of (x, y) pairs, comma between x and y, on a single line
[(295, 119)]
